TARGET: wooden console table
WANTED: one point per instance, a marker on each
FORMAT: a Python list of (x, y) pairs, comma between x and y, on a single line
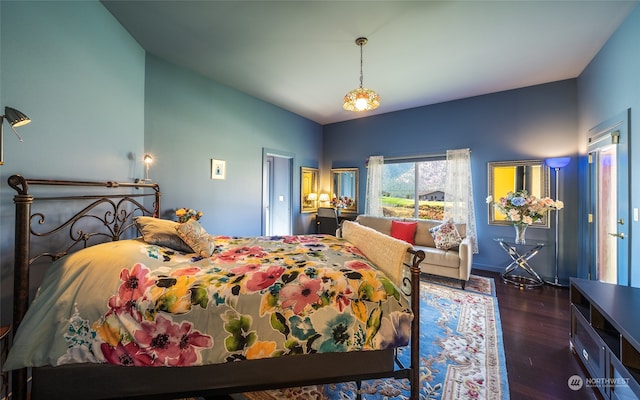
[(605, 334)]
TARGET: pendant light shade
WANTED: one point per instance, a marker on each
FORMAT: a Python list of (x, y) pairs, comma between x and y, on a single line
[(361, 99)]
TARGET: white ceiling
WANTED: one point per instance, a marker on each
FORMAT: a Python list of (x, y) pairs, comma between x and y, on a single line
[(301, 55)]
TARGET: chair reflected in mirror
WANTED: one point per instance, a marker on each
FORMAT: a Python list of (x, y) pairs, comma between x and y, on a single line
[(327, 221)]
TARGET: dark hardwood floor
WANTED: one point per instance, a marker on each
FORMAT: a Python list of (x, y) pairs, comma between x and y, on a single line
[(535, 331)]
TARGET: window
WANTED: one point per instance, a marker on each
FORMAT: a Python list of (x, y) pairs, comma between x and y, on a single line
[(414, 188)]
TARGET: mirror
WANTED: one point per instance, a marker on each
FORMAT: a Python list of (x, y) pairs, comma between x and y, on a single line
[(344, 189), (308, 189), (510, 176)]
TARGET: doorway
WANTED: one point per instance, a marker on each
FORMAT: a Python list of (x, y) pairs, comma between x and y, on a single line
[(277, 178), (608, 205)]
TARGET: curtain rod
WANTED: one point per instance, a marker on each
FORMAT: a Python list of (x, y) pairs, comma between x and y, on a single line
[(415, 157)]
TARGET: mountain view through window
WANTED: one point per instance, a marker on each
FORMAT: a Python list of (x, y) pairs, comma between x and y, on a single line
[(414, 189)]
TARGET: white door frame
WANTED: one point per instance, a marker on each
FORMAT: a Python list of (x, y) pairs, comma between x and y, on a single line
[(282, 188), (613, 133)]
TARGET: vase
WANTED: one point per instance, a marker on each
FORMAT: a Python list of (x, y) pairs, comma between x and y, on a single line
[(521, 229)]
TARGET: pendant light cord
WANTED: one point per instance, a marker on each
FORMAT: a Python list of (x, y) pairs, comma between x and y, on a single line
[(361, 44)]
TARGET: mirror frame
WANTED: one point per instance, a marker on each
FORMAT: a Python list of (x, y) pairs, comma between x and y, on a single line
[(336, 193), (544, 189), (309, 179)]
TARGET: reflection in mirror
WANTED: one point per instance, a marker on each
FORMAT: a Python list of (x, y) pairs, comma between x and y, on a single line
[(344, 189), (308, 189), (511, 176)]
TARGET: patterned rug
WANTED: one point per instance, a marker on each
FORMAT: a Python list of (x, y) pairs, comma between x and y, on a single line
[(478, 284), (462, 355)]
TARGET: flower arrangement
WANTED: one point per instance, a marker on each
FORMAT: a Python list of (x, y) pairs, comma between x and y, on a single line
[(522, 208), (185, 214), (341, 202)]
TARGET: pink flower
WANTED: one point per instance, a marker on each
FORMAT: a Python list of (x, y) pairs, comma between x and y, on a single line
[(354, 250), (548, 202), (171, 344), (300, 239), (134, 284), (263, 279), (185, 271), (299, 295), (521, 207), (159, 339), (127, 355), (245, 268), (241, 253), (357, 265), (343, 299), (189, 340)]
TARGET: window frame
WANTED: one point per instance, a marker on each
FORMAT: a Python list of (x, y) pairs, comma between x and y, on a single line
[(416, 173)]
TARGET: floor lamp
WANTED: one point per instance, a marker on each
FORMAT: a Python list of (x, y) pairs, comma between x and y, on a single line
[(556, 164)]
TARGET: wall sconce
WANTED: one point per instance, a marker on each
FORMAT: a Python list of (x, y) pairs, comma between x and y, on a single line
[(15, 119), (147, 163), (148, 160), (324, 198)]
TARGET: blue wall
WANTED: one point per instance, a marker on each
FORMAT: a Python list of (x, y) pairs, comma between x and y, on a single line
[(189, 120), (531, 123), (610, 85), (79, 76)]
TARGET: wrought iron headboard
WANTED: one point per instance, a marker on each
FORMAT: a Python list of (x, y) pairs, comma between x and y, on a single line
[(111, 224), (111, 214)]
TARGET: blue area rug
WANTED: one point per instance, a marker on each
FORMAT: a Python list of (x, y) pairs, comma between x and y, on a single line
[(478, 284), (462, 355)]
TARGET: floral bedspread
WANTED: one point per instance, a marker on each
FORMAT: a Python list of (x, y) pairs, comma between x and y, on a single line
[(132, 303)]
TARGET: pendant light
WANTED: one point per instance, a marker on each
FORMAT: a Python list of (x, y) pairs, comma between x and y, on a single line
[(361, 99)]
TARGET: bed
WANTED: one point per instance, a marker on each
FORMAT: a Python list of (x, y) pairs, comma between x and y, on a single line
[(289, 310)]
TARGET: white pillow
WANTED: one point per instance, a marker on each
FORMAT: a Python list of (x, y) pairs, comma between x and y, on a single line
[(446, 236)]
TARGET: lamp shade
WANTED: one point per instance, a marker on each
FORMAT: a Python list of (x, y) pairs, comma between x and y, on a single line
[(361, 98), (312, 196), (15, 117), (324, 197), (557, 162)]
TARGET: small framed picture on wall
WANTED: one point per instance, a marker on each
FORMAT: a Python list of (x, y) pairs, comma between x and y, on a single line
[(218, 169)]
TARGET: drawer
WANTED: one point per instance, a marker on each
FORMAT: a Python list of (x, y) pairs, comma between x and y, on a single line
[(589, 346)]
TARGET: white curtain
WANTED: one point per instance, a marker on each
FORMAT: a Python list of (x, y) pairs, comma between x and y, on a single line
[(458, 193), (373, 200)]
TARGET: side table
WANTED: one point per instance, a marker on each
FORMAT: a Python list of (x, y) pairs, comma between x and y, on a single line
[(520, 255)]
